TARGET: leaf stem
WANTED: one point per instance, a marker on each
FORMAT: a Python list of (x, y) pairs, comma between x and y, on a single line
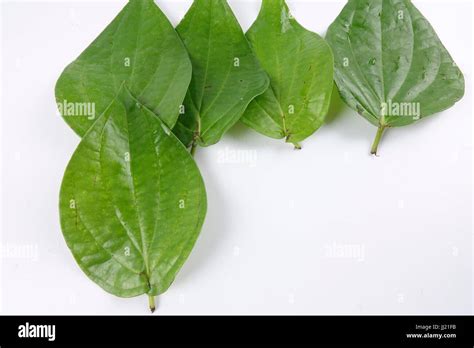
[(151, 301), (378, 137), (289, 141), (196, 136), (193, 148)]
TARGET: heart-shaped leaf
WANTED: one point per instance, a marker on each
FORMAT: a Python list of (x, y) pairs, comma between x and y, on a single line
[(391, 67), (226, 74), (132, 201), (140, 47), (300, 65)]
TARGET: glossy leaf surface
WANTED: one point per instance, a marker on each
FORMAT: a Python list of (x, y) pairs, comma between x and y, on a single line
[(300, 65), (226, 74), (391, 67), (132, 201), (139, 47)]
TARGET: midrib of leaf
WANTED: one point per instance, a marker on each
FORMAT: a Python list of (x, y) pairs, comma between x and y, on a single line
[(135, 55), (278, 95), (78, 216), (287, 131), (143, 250), (177, 222), (429, 27), (111, 64), (109, 198), (135, 202), (152, 77), (132, 239), (158, 192), (298, 114), (221, 89), (206, 71), (137, 40), (382, 120), (357, 64), (197, 132), (412, 55), (302, 109), (382, 93), (157, 68), (409, 15)]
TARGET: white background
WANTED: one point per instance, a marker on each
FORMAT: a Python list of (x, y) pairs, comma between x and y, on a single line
[(327, 230)]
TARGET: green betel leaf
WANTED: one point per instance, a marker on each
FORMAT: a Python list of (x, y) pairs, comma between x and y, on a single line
[(391, 67), (132, 201), (300, 65), (226, 74), (139, 47)]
